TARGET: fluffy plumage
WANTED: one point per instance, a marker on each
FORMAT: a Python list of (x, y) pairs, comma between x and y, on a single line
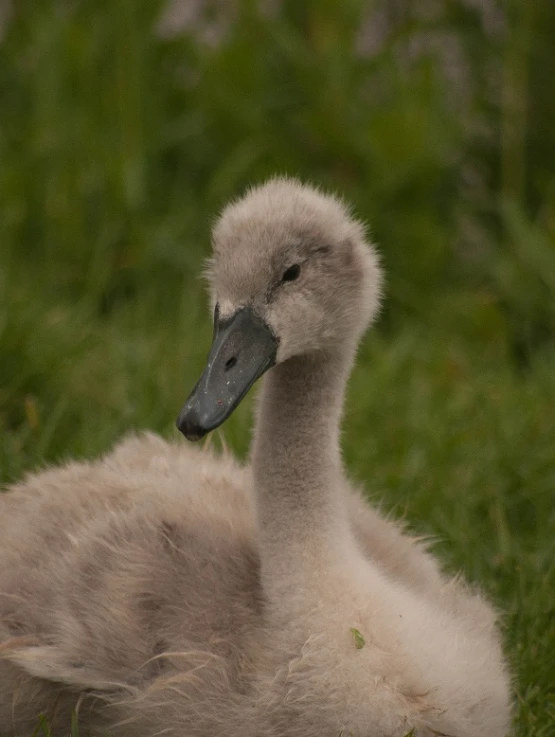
[(166, 590)]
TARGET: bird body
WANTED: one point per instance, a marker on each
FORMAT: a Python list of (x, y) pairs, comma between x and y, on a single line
[(165, 589)]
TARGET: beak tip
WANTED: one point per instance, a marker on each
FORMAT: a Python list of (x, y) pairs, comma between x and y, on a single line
[(189, 424)]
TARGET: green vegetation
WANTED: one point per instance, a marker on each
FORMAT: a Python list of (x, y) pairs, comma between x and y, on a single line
[(117, 148), (358, 638)]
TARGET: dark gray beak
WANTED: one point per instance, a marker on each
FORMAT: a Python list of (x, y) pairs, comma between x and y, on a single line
[(243, 348)]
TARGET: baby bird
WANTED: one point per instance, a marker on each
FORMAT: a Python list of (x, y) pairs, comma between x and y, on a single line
[(165, 590)]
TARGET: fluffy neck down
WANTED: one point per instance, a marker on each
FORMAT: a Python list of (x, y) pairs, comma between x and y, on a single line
[(298, 474)]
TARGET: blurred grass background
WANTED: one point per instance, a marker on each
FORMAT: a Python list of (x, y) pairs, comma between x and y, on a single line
[(124, 127)]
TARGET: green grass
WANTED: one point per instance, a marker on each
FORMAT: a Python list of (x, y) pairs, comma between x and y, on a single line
[(117, 149)]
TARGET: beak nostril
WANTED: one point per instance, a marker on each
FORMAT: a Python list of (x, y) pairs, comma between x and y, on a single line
[(230, 363)]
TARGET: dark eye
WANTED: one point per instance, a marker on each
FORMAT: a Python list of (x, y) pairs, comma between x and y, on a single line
[(291, 273)]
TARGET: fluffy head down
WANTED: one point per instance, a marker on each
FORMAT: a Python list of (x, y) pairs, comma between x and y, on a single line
[(300, 259)]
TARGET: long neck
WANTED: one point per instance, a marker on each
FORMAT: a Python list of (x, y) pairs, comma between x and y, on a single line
[(298, 472)]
